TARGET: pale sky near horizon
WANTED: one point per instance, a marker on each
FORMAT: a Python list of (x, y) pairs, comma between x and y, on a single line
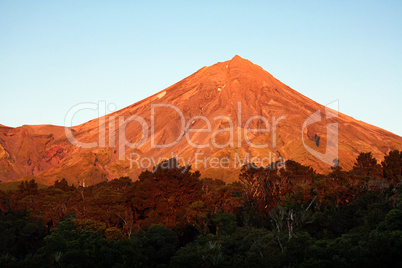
[(56, 54)]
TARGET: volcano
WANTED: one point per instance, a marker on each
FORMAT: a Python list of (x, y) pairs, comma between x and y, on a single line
[(215, 120)]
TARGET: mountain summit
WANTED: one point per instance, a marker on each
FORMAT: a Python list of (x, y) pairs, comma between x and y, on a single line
[(216, 119)]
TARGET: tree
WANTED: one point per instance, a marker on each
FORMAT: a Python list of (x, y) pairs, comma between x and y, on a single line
[(197, 216), (80, 243), (392, 166), (159, 244), (19, 235), (225, 223), (165, 194), (213, 256), (63, 185), (263, 189), (26, 188), (366, 165)]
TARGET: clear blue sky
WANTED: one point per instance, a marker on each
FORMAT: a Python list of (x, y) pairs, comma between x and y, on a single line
[(55, 54)]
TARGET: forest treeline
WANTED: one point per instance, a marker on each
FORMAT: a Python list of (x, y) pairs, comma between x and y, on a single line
[(291, 217)]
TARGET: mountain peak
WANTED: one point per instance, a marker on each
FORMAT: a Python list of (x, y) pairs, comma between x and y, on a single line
[(215, 113), (237, 60), (237, 57)]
